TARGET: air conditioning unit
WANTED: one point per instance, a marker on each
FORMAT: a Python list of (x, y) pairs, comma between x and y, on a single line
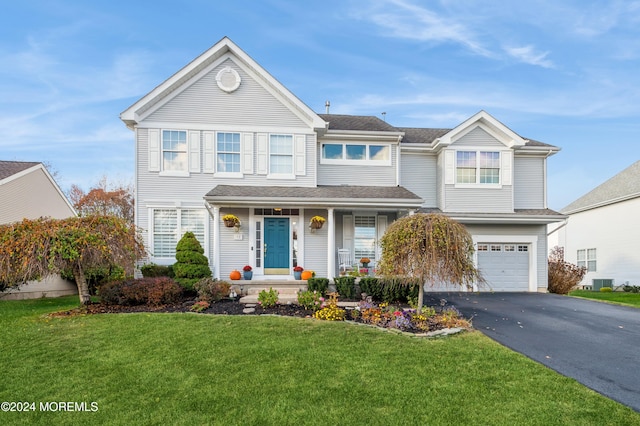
[(598, 283)]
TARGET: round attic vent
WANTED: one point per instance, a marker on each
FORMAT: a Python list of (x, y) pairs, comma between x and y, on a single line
[(228, 79)]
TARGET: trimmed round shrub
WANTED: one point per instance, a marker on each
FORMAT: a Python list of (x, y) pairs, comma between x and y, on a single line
[(191, 265), (606, 289)]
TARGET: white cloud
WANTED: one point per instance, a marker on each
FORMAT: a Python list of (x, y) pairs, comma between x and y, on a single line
[(529, 55)]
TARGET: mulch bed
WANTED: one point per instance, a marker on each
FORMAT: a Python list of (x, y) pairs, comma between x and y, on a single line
[(223, 307)]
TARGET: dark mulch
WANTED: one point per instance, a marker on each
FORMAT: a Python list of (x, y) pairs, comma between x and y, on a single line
[(223, 307)]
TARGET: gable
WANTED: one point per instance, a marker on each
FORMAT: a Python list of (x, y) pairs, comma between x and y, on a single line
[(478, 137), (192, 73), (203, 101)]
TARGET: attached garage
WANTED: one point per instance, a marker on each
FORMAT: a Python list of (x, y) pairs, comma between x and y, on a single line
[(504, 266)]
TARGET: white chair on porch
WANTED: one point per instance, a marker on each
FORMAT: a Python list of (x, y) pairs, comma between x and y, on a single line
[(344, 259)]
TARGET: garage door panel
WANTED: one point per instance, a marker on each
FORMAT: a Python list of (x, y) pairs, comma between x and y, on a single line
[(505, 267)]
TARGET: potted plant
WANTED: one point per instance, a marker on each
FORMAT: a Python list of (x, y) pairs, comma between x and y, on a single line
[(247, 272), (316, 222), (297, 272), (230, 220), (365, 262)]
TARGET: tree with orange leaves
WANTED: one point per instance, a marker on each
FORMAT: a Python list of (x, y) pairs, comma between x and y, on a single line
[(34, 249)]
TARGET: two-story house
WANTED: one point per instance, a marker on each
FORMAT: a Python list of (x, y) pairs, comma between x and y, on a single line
[(222, 136)]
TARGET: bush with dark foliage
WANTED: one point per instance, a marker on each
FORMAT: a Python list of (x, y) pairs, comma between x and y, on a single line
[(153, 270), (143, 291), (211, 290), (346, 286), (318, 284), (563, 276), (390, 290)]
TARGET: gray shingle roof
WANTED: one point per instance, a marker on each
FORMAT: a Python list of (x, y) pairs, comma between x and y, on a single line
[(321, 193), (367, 123), (417, 135), (622, 186), (10, 168)]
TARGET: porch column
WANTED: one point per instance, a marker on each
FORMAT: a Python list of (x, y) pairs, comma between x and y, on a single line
[(216, 242), (331, 244)]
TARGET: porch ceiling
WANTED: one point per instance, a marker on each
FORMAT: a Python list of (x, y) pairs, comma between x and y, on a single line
[(320, 196)]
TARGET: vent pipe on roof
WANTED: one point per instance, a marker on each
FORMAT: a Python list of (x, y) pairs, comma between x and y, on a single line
[(326, 106), (384, 116)]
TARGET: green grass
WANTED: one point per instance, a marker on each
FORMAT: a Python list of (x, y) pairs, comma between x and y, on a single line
[(203, 369), (618, 297)]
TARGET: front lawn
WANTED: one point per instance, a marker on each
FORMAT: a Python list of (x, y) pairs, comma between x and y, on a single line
[(619, 297), (187, 368)]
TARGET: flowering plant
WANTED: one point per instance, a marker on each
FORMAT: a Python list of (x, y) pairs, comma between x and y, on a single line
[(200, 306), (246, 268), (268, 299), (298, 268), (365, 260), (230, 217), (318, 219)]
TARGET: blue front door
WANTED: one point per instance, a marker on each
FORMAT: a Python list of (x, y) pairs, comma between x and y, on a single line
[(276, 245)]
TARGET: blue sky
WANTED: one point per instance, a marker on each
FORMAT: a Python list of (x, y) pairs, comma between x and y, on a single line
[(563, 72)]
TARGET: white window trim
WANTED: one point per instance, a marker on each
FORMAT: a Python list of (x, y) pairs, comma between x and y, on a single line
[(478, 184), (366, 162), (171, 260), (232, 175), (281, 176)]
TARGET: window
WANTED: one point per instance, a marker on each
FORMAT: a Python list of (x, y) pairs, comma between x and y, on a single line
[(587, 258), (174, 150), (509, 247), (335, 153), (228, 152), (496, 247), (483, 247), (478, 167), (364, 237), (170, 224), (281, 154)]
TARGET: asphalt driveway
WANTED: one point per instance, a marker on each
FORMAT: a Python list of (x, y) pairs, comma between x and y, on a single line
[(596, 343)]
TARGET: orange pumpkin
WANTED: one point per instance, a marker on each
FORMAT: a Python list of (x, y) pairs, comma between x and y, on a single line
[(235, 275), (306, 275)]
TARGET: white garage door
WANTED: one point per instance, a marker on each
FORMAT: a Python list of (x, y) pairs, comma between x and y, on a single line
[(505, 267)]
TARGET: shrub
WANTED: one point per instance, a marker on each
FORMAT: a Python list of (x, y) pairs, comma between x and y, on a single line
[(311, 300), (153, 270), (143, 291), (371, 287), (563, 276), (200, 306), (606, 289), (346, 286), (392, 289), (268, 299), (318, 284), (211, 290), (191, 265), (631, 288)]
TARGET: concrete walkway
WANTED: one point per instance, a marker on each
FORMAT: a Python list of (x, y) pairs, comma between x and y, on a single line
[(596, 343)]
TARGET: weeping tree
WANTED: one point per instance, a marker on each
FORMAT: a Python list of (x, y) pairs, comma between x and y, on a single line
[(430, 247), (35, 249)]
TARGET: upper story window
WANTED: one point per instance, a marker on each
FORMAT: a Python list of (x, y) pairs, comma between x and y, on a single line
[(228, 152), (348, 153), (281, 154), (174, 150), (478, 167)]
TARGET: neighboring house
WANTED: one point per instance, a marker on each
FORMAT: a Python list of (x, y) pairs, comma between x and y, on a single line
[(602, 231), (222, 136), (28, 191)]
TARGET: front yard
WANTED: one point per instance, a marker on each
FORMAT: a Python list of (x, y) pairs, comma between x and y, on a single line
[(183, 368), (618, 297)]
